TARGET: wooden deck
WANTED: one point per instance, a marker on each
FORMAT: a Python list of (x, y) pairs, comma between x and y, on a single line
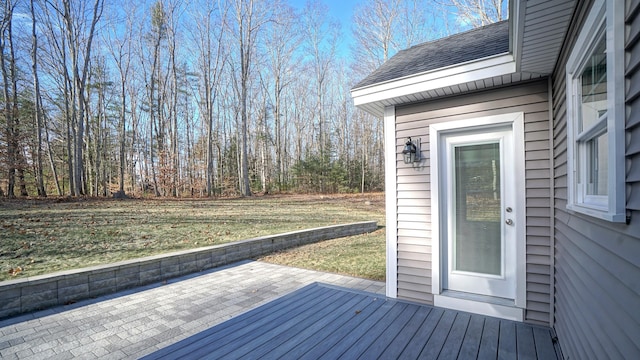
[(325, 322)]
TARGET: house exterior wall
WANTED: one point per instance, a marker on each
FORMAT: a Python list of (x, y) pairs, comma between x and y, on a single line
[(597, 263), (414, 241), (633, 103)]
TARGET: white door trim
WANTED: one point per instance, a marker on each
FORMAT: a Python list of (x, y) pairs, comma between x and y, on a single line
[(436, 131), (391, 198)]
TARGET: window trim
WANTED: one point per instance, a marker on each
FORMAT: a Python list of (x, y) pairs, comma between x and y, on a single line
[(607, 16)]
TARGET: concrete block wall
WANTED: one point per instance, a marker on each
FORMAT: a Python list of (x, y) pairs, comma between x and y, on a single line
[(45, 291)]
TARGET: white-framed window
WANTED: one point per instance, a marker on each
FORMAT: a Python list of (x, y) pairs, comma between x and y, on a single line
[(596, 115)]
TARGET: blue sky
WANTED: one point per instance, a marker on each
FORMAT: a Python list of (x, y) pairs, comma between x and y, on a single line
[(341, 10)]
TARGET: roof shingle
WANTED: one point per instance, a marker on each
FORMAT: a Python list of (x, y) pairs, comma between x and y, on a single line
[(471, 45)]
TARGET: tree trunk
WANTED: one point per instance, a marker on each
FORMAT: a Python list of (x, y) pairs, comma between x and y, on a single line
[(246, 34), (152, 112), (209, 119), (21, 163), (264, 149), (38, 104), (8, 107), (245, 188), (278, 132), (123, 132), (174, 159), (79, 84), (54, 171), (69, 117)]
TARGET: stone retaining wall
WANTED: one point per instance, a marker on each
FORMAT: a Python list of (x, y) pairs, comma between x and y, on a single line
[(41, 292)]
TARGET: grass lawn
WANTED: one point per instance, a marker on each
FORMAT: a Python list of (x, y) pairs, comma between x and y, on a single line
[(43, 236), (361, 256)]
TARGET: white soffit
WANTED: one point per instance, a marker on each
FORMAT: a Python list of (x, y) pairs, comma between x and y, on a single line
[(376, 108), (540, 28), (473, 75)]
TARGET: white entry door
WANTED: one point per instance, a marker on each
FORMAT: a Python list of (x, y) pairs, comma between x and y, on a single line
[(479, 237)]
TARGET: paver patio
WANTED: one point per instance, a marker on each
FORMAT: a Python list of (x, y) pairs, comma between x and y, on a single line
[(133, 323)]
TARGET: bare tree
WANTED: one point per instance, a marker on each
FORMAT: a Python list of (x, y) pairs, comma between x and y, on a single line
[(156, 124), (249, 18), (55, 61), (16, 159), (80, 45), (212, 57), (476, 13), (37, 102), (6, 43), (282, 39), (374, 24), (119, 42), (116, 103), (383, 27), (175, 88), (321, 34), (416, 23)]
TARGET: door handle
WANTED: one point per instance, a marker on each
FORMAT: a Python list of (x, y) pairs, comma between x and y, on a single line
[(509, 222)]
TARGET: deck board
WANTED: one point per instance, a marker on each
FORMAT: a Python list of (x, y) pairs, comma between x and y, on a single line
[(338, 328), (301, 341), (385, 331), (471, 342), (439, 336), (402, 338), (235, 344), (417, 343), (353, 349), (239, 326), (489, 340), (545, 348), (526, 348), (305, 328), (452, 345), (370, 315), (507, 342), (321, 321), (280, 330), (273, 308)]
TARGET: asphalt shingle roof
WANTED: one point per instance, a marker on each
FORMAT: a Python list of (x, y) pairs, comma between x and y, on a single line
[(474, 44)]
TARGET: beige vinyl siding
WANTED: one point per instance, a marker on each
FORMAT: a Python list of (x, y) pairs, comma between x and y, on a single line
[(413, 185), (413, 207), (597, 263), (633, 102)]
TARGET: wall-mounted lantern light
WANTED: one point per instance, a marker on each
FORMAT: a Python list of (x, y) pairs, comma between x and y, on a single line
[(411, 152)]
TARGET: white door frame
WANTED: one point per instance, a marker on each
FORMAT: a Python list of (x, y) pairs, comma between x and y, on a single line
[(436, 132), (496, 285)]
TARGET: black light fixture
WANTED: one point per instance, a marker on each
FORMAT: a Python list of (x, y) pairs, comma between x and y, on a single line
[(411, 153)]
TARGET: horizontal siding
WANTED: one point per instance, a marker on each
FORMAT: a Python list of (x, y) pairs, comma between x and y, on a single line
[(633, 104), (413, 188), (597, 263)]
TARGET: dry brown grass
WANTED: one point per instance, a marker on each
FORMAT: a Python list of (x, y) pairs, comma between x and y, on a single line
[(43, 236)]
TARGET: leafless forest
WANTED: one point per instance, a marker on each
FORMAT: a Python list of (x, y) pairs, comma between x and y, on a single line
[(199, 97)]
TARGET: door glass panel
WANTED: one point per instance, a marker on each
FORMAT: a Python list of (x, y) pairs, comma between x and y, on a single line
[(477, 240)]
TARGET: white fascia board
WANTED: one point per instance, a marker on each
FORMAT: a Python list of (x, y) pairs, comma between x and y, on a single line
[(485, 68), (516, 29)]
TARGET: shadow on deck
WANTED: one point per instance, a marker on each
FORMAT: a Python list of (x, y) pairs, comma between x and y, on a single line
[(322, 321)]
